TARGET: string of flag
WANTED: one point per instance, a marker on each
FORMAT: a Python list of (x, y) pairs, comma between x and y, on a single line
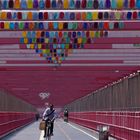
[(89, 16), (61, 25), (55, 46), (51, 34), (70, 4)]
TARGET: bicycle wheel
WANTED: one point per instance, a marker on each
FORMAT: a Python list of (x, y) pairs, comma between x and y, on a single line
[(48, 133)]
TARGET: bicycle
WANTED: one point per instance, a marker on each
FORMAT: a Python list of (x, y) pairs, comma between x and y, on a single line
[(48, 130), (65, 119)]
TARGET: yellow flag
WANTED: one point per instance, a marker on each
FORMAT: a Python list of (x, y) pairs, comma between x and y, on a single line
[(46, 40), (119, 4), (3, 15), (39, 46), (59, 61), (32, 46), (47, 51), (95, 15), (60, 26), (66, 4), (30, 4), (6, 25), (25, 40), (53, 58), (92, 34), (79, 40), (117, 15), (44, 51), (24, 33)]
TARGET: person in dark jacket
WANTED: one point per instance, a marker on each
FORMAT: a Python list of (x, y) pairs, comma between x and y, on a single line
[(37, 116), (66, 115)]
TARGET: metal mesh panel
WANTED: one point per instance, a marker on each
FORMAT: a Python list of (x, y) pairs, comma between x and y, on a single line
[(124, 95), (11, 103)]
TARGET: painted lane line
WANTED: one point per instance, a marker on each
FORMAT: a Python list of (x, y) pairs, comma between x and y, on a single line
[(83, 132), (62, 130), (41, 135)]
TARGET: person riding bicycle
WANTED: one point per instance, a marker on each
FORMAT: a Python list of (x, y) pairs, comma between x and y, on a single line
[(66, 115), (49, 114)]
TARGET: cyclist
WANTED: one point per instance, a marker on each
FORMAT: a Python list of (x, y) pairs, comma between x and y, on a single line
[(49, 114), (66, 115)]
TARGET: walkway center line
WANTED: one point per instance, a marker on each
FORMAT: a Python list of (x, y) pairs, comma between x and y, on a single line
[(83, 132), (62, 130), (41, 135)]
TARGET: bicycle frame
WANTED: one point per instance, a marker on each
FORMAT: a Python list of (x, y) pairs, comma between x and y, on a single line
[(48, 129)]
